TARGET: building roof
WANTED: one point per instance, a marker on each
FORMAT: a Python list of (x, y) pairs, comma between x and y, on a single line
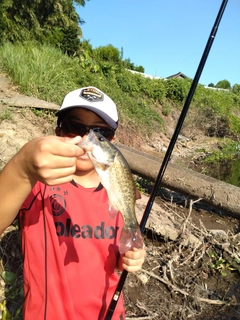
[(178, 75)]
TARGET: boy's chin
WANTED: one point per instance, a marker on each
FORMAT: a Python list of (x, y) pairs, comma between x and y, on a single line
[(84, 164)]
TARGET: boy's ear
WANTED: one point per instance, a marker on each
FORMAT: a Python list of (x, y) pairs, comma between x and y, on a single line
[(58, 131), (114, 138)]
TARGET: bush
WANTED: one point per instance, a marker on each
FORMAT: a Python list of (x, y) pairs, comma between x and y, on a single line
[(107, 53), (223, 84), (177, 89)]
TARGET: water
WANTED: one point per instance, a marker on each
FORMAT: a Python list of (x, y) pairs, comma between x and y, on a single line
[(228, 171)]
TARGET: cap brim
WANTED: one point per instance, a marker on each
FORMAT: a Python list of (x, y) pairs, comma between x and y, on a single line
[(101, 114)]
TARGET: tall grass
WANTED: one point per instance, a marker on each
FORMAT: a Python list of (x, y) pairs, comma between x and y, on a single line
[(39, 71), (46, 73)]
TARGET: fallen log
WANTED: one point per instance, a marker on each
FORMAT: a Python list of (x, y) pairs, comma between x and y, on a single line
[(213, 192)]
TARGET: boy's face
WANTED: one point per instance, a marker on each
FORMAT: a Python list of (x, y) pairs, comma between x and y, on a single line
[(77, 121)]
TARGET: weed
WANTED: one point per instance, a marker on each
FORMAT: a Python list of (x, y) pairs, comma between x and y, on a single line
[(227, 150), (143, 185), (13, 291), (6, 115), (221, 264)]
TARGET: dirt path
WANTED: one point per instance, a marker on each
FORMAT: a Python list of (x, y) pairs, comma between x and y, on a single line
[(193, 273)]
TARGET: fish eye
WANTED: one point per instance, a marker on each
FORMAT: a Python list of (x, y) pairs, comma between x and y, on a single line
[(101, 139)]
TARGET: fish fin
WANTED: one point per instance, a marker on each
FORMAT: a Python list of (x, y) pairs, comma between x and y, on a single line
[(130, 239), (112, 211)]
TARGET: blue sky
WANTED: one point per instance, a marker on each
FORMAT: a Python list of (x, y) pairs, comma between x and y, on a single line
[(168, 36)]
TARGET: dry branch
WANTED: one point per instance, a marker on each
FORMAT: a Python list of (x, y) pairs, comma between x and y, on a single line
[(175, 288)]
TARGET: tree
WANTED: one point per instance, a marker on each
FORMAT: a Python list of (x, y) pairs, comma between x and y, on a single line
[(211, 85), (46, 21), (236, 89), (128, 64), (108, 53), (223, 84), (139, 69)]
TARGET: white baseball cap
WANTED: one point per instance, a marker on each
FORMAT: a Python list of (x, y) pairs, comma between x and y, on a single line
[(94, 100)]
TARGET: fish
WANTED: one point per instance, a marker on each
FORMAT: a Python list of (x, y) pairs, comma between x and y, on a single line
[(116, 177)]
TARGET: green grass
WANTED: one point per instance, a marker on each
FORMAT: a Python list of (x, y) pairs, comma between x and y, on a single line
[(227, 151), (46, 73), (39, 71), (6, 115)]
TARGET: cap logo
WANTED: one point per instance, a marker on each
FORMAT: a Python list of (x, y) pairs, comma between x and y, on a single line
[(91, 95)]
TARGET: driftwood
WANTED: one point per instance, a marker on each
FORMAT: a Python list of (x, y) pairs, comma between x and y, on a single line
[(164, 223), (213, 192)]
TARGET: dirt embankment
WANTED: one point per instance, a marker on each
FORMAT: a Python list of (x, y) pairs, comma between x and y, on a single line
[(192, 269)]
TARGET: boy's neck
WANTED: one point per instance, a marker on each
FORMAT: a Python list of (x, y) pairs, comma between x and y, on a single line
[(87, 179)]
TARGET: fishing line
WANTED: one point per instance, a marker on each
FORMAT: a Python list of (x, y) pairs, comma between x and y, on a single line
[(173, 140)]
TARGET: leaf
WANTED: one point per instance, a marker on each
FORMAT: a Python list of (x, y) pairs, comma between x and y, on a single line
[(21, 291), (223, 273), (5, 314), (9, 277), (212, 254), (18, 312)]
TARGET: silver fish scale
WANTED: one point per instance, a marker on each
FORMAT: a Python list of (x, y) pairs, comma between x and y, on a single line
[(115, 176), (121, 190)]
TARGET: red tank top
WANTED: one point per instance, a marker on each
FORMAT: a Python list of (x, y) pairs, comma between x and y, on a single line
[(70, 249)]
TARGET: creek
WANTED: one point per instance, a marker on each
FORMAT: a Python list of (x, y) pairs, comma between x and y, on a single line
[(227, 171)]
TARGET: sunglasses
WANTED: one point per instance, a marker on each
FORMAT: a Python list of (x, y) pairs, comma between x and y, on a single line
[(69, 127)]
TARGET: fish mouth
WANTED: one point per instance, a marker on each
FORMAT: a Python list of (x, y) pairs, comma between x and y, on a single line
[(84, 156), (88, 155), (96, 158)]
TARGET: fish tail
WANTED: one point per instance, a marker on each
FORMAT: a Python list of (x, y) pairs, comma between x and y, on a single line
[(130, 239)]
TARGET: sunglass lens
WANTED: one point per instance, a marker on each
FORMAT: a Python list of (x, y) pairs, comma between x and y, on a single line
[(107, 133), (71, 127), (74, 128)]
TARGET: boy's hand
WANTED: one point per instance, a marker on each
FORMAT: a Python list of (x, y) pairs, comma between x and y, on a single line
[(132, 260), (51, 160)]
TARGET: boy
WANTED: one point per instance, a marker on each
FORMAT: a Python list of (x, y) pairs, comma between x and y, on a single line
[(69, 243)]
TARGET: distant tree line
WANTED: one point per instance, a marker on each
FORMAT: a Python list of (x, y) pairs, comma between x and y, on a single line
[(56, 23), (52, 22), (45, 21), (225, 84)]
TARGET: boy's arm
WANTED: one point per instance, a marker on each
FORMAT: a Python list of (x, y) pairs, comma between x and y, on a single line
[(13, 192), (50, 160)]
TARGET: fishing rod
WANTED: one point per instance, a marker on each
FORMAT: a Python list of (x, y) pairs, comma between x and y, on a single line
[(173, 140)]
